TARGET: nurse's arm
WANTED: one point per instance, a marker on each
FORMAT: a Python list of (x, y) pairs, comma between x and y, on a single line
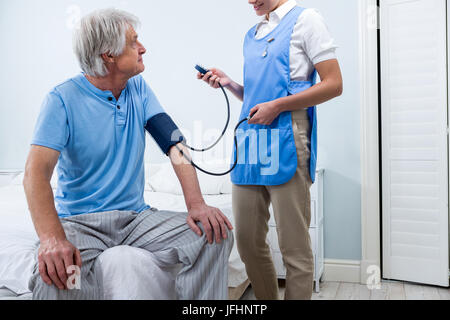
[(56, 253), (236, 89), (214, 76), (211, 218), (330, 87)]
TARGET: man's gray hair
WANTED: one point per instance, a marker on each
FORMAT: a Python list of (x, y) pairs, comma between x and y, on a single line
[(102, 31)]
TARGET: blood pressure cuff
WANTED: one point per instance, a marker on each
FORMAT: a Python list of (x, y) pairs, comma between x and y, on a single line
[(165, 132)]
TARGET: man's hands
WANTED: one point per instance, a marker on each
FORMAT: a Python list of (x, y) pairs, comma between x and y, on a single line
[(55, 257), (212, 219)]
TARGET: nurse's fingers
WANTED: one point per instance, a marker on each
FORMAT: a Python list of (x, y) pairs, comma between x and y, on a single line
[(207, 76), (254, 119), (216, 83), (212, 80), (253, 116), (254, 109)]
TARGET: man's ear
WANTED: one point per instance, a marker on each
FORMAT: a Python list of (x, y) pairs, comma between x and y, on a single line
[(107, 57)]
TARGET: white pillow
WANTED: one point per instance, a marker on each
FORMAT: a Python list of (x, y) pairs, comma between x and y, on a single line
[(214, 184), (164, 179), (17, 181), (147, 170)]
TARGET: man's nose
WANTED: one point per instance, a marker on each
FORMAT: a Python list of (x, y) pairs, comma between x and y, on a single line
[(143, 50)]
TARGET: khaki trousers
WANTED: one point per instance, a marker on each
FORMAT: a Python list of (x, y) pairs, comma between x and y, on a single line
[(292, 213)]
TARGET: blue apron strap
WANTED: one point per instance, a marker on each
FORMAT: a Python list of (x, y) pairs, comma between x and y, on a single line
[(312, 115)]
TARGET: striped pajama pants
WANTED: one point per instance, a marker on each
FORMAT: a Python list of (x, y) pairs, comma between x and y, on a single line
[(204, 271)]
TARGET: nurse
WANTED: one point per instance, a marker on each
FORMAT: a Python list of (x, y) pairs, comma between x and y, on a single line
[(277, 147)]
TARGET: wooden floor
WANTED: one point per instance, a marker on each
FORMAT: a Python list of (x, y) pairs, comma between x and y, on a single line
[(389, 290)]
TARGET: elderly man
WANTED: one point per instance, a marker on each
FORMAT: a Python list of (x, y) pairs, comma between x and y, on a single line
[(92, 125)]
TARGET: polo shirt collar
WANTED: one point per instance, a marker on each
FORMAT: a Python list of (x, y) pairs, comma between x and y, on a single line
[(82, 80), (106, 94)]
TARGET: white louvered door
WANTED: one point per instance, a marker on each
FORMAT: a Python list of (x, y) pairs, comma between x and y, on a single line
[(414, 115)]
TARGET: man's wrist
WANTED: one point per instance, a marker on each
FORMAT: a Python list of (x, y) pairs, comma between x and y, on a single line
[(52, 238), (196, 203), (55, 234)]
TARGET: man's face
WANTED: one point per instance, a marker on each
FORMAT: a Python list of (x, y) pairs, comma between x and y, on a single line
[(130, 62), (263, 7)]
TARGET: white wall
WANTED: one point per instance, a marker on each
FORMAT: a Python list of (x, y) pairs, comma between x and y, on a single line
[(36, 54), (339, 136)]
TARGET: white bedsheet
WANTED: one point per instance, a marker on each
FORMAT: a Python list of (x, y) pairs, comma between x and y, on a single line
[(131, 280)]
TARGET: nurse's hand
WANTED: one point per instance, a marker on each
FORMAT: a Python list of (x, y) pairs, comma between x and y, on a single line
[(214, 76), (264, 113)]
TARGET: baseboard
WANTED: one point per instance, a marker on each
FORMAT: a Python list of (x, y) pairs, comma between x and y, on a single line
[(342, 270)]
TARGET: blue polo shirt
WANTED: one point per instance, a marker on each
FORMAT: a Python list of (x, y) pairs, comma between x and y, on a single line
[(101, 142)]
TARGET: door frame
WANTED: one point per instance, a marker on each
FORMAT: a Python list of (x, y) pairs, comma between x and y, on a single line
[(370, 141)]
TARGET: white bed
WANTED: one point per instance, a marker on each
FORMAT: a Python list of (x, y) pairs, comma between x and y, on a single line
[(133, 277)]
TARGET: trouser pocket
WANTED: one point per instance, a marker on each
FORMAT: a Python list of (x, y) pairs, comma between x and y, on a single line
[(301, 130)]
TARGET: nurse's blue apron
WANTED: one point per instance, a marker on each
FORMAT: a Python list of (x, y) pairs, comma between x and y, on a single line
[(267, 154)]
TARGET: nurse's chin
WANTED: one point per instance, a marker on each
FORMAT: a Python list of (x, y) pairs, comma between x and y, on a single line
[(259, 12)]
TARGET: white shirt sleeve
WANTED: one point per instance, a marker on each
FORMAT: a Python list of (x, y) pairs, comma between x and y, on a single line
[(311, 43), (315, 37)]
